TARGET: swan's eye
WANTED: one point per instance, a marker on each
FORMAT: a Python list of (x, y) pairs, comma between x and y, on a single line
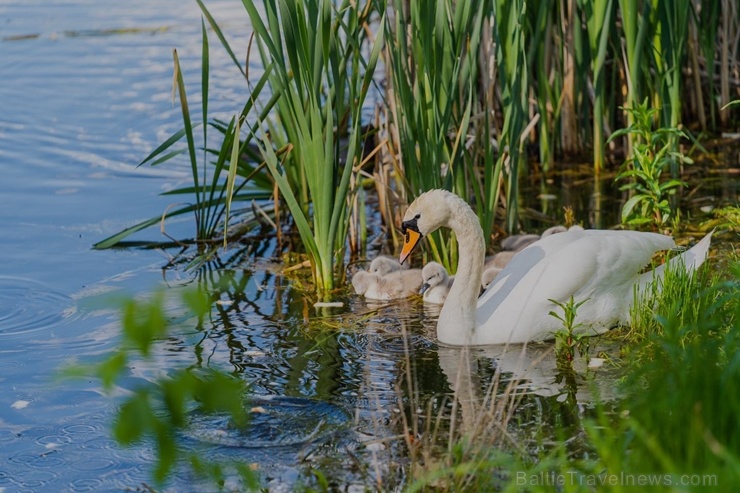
[(417, 216)]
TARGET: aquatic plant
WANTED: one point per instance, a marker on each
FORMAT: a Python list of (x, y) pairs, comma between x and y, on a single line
[(234, 176), (598, 17), (567, 341), (678, 293), (313, 52), (432, 51), (652, 153), (158, 410), (509, 33), (681, 412)]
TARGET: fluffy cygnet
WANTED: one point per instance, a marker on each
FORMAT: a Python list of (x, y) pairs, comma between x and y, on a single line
[(515, 243), (495, 264), (392, 286), (382, 265), (437, 283)]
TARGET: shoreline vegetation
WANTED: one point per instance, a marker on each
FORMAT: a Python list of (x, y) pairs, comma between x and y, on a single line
[(482, 98)]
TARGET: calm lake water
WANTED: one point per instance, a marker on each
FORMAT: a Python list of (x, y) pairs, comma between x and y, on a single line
[(85, 93)]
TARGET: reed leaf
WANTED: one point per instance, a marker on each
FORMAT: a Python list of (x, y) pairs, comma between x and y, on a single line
[(209, 189), (513, 73), (307, 44), (180, 86), (433, 57), (598, 19), (670, 53), (233, 164), (221, 37)]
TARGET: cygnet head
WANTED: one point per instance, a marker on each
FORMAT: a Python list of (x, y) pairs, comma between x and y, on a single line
[(383, 265), (433, 274), (489, 275), (554, 230), (361, 281)]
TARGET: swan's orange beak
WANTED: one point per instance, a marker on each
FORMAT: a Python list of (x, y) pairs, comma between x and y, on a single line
[(410, 239)]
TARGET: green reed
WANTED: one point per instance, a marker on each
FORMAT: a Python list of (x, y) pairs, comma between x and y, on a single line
[(683, 384), (512, 71), (432, 55), (224, 175), (669, 51), (598, 18), (314, 50), (465, 91), (549, 79)]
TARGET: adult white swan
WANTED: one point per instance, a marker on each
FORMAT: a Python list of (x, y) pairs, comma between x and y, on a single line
[(600, 266)]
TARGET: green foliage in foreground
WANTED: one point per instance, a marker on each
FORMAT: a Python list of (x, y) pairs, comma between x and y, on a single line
[(157, 411), (684, 390), (675, 429)]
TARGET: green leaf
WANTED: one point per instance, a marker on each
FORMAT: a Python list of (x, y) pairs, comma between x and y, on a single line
[(134, 419), (630, 205), (111, 368), (165, 145), (233, 164)]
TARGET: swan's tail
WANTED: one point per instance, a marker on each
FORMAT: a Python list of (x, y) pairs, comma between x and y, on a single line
[(691, 260)]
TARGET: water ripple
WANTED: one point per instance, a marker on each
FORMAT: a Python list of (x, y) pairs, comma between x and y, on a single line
[(86, 484), (28, 306), (274, 422)]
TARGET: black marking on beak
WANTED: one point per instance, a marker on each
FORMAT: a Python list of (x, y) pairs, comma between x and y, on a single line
[(411, 224)]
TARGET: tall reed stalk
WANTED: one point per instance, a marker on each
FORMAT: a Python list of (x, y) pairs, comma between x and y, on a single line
[(432, 51), (513, 74), (670, 52), (314, 50), (598, 18), (634, 35)]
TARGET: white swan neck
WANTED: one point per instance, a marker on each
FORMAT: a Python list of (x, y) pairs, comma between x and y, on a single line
[(457, 319)]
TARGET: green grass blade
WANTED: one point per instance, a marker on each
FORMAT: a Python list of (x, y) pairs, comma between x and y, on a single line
[(221, 37), (180, 84), (167, 157), (164, 146), (233, 164)]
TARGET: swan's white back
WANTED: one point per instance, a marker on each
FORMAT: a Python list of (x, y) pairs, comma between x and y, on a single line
[(599, 265)]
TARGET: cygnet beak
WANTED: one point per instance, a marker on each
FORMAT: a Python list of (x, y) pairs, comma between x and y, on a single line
[(424, 287)]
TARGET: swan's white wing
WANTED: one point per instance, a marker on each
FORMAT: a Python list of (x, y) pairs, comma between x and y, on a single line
[(690, 259), (586, 264)]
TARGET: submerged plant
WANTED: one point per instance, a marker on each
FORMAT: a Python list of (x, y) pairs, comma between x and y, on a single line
[(652, 153), (567, 340)]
